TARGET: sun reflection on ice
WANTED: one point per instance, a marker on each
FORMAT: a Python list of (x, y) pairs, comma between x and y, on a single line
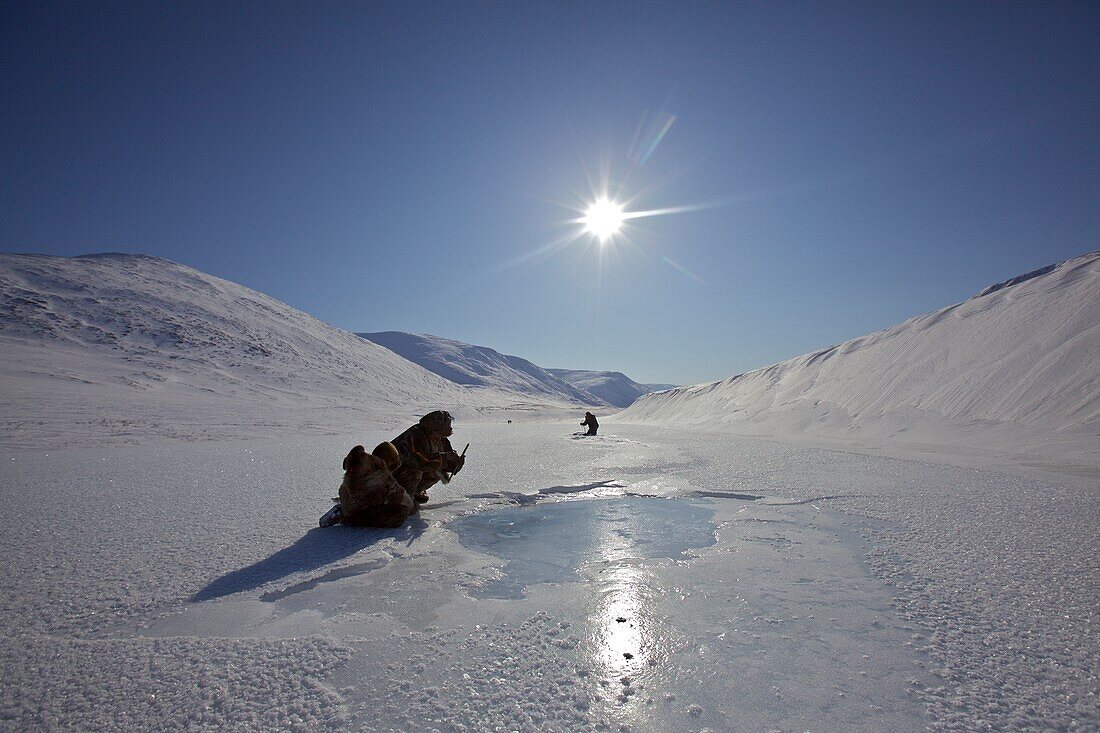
[(624, 632), (620, 547), (622, 639)]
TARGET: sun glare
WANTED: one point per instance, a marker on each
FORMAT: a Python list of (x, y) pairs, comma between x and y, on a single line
[(603, 218)]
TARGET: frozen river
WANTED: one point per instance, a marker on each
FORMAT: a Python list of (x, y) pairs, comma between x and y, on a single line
[(643, 580)]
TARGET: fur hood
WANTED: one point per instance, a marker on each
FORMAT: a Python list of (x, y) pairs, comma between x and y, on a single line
[(437, 423)]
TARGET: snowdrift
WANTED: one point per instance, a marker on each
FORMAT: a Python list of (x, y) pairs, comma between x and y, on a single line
[(1016, 367), (481, 366), (130, 346)]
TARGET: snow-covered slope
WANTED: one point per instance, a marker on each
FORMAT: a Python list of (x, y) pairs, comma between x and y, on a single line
[(467, 364), (614, 388), (1021, 358), (120, 345)]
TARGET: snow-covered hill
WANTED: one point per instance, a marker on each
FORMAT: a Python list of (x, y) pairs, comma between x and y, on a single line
[(614, 388), (129, 346), (467, 364), (1017, 366)]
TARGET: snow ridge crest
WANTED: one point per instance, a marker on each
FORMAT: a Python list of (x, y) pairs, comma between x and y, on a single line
[(1023, 356)]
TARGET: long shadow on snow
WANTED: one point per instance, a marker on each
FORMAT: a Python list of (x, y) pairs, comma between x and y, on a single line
[(317, 548)]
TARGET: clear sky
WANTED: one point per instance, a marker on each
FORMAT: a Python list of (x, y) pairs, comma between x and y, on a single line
[(393, 166)]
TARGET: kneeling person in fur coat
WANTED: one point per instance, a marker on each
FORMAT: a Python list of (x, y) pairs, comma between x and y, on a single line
[(369, 495), (426, 455)]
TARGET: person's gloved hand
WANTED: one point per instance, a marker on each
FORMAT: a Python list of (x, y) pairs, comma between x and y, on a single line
[(454, 462)]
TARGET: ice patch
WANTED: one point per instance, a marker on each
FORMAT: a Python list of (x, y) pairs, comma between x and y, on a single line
[(329, 577), (728, 495), (317, 548), (551, 543), (516, 497)]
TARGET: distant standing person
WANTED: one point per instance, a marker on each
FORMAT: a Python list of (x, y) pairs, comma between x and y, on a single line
[(590, 421), (426, 455)]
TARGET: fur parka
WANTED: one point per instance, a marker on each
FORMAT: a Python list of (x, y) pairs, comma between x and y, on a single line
[(369, 495), (426, 453)]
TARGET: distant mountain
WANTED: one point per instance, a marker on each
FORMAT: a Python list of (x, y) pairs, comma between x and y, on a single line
[(614, 388), (1018, 363), (481, 366), (661, 387), (128, 346)]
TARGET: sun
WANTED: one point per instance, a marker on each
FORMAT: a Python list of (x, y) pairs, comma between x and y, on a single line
[(603, 218)]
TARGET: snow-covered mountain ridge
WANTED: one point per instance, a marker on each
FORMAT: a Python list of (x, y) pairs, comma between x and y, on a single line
[(117, 345), (481, 366), (614, 388), (1018, 362)]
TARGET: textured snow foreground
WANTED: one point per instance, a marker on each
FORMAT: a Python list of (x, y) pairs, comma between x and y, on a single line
[(643, 580)]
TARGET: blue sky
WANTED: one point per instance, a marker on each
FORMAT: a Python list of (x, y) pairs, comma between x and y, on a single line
[(382, 166)]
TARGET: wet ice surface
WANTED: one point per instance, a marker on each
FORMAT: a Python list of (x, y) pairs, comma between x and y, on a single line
[(759, 587), (583, 616), (554, 542)]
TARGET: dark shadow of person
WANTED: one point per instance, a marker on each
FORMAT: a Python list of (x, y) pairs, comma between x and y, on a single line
[(317, 548)]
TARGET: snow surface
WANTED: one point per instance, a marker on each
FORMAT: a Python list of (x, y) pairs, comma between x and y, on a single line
[(1014, 370), (614, 388), (124, 347), (647, 579), (481, 366)]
